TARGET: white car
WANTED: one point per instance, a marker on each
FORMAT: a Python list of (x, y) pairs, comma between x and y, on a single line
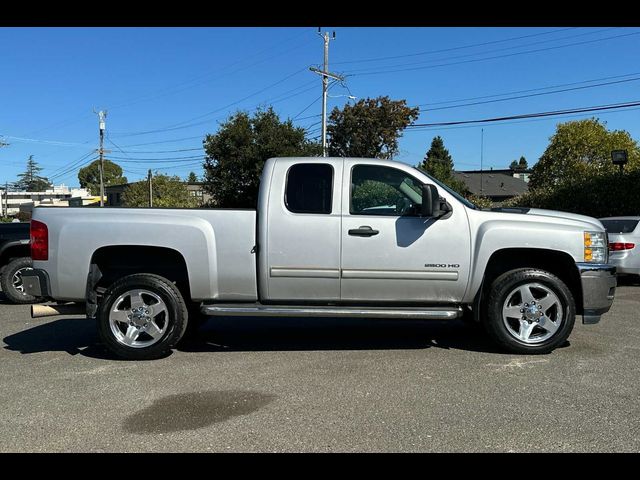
[(624, 243)]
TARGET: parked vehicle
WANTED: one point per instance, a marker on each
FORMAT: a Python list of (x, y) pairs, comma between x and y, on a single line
[(624, 243), (313, 249), (14, 261)]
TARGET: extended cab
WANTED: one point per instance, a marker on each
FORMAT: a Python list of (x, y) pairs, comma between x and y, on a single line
[(331, 237)]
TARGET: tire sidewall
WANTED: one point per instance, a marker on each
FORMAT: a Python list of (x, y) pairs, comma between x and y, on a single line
[(6, 279), (503, 286), (176, 309)]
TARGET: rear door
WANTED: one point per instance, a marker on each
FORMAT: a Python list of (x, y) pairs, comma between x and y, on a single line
[(303, 231)]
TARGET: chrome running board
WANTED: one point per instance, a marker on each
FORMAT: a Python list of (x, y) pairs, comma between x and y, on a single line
[(259, 310)]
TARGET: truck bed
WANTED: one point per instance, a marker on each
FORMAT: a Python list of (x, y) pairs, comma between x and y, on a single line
[(216, 244)]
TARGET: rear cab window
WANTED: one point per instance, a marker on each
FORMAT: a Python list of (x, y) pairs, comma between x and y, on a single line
[(309, 188)]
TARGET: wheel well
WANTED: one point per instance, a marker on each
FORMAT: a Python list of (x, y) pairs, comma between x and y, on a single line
[(118, 261), (15, 251), (560, 264)]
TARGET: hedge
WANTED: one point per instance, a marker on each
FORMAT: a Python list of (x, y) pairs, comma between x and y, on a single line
[(605, 195)]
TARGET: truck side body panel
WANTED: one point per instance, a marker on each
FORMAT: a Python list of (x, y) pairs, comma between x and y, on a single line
[(217, 246)]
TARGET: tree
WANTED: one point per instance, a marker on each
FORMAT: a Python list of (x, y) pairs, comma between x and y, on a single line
[(192, 178), (519, 165), (369, 128), (30, 180), (237, 152), (89, 176), (439, 164), (580, 149), (168, 191)]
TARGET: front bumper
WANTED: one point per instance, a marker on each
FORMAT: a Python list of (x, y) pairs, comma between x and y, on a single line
[(36, 283), (598, 289)]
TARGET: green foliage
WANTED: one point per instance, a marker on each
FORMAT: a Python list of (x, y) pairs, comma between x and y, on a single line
[(237, 152), (89, 176), (519, 165), (602, 195), (30, 180), (6, 219), (480, 201), (192, 178), (370, 128), (439, 164), (370, 194), (168, 192), (579, 150)]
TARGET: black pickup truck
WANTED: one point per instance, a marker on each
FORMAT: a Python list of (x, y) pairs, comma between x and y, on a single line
[(15, 259)]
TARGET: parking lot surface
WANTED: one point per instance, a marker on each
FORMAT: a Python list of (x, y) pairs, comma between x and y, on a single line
[(320, 385)]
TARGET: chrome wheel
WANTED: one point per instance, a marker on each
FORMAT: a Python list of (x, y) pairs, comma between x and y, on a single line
[(138, 318), (17, 280), (532, 313)]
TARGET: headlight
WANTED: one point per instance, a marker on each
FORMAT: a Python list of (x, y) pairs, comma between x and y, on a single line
[(595, 247)]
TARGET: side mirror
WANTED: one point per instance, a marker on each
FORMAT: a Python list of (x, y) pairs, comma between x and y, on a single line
[(430, 201), (432, 204)]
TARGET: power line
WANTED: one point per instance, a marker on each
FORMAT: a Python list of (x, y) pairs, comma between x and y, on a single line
[(163, 141), (186, 124), (475, 54), (516, 122), (163, 151), (71, 164), (530, 115), (527, 91), (71, 169), (377, 59), (161, 160), (219, 72), (529, 95), (47, 142), (379, 72)]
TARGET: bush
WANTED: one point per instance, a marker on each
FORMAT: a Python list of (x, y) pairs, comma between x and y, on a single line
[(480, 201), (604, 195)]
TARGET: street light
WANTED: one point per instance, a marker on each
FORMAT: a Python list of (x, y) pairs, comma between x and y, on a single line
[(619, 157), (351, 97)]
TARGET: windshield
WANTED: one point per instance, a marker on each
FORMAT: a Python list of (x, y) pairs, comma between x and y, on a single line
[(464, 201)]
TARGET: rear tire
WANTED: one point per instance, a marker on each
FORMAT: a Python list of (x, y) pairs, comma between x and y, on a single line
[(142, 317), (529, 311), (11, 281)]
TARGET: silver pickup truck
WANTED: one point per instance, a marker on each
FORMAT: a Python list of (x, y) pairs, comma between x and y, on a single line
[(336, 237)]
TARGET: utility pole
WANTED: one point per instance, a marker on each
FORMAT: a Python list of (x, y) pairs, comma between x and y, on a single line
[(481, 158), (102, 115), (325, 85), (150, 181), (6, 199)]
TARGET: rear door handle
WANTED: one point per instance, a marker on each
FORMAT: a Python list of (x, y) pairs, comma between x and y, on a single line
[(363, 231)]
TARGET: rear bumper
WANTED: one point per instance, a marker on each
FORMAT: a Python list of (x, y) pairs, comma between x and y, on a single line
[(36, 283), (598, 290)]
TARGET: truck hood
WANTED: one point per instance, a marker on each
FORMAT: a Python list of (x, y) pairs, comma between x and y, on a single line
[(589, 222)]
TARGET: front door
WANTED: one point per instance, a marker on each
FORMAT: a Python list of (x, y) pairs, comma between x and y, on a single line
[(391, 254)]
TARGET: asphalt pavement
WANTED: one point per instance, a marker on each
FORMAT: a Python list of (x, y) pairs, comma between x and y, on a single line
[(321, 385)]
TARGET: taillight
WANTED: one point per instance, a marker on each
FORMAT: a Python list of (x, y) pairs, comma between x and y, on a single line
[(39, 241), (618, 246)]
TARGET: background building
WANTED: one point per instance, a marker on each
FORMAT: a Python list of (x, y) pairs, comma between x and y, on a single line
[(497, 185), (58, 196)]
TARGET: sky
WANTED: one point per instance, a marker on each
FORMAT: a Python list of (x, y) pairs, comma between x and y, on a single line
[(164, 89)]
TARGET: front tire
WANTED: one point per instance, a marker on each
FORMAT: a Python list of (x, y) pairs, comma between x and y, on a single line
[(529, 311), (11, 281), (142, 317)]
